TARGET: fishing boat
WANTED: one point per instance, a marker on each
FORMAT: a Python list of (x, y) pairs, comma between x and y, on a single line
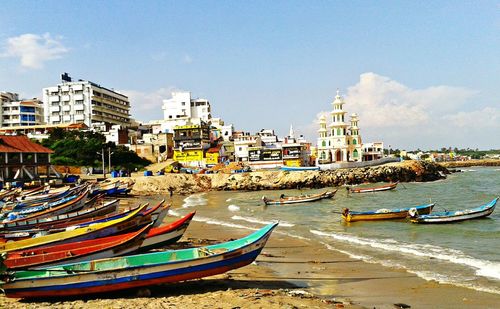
[(74, 252), (158, 237), (68, 218), (390, 186), (457, 215), (299, 199), (299, 168), (106, 275), (131, 221), (384, 214)]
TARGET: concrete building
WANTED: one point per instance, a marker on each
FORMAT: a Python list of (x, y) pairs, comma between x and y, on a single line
[(16, 112), (242, 144), (190, 142), (182, 110), (341, 141), (86, 102)]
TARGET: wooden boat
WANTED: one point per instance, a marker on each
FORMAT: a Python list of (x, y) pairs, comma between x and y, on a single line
[(74, 252), (42, 198), (133, 220), (64, 205), (390, 186), (156, 213), (69, 218), (455, 216), (158, 237), (384, 214), (299, 199), (143, 240), (299, 168), (106, 275)]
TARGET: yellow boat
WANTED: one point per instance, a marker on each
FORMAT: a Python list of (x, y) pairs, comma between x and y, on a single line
[(384, 214), (89, 232)]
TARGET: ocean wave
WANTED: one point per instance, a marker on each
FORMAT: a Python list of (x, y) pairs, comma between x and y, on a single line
[(229, 200), (254, 220), (195, 200), (173, 213), (233, 208), (426, 275), (482, 268)]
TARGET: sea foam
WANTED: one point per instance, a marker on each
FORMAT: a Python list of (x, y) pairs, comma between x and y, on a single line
[(233, 208), (259, 221), (483, 268), (195, 200)]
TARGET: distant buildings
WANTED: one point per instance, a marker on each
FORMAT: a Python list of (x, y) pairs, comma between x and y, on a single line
[(16, 112), (84, 102)]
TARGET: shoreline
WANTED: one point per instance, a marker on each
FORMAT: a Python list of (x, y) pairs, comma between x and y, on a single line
[(290, 272)]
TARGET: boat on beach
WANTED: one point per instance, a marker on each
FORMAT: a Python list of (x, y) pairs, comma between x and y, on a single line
[(299, 199), (455, 216), (384, 214), (387, 187), (106, 275)]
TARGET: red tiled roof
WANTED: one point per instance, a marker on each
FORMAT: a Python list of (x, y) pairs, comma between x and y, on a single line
[(14, 143)]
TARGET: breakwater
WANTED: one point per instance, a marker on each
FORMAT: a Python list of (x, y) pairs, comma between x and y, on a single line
[(469, 163), (408, 171)]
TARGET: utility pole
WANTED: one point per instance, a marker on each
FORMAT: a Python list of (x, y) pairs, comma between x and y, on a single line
[(103, 163), (109, 158)]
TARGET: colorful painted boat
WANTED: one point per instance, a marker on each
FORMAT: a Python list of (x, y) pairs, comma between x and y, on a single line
[(106, 275), (299, 199), (456, 216), (390, 186), (68, 218), (133, 220), (75, 252), (299, 168), (33, 200), (384, 214), (159, 237)]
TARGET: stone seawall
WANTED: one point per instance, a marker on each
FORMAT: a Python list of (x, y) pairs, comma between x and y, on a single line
[(484, 162), (407, 171)]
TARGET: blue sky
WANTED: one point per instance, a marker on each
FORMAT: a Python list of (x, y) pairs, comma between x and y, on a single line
[(420, 75)]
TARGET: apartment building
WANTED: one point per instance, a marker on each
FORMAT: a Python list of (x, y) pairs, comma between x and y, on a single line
[(85, 102), (15, 112)]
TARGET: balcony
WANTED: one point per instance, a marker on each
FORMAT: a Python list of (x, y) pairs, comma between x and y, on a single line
[(55, 109)]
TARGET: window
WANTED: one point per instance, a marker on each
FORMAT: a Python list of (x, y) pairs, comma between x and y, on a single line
[(338, 131), (323, 143), (354, 142), (355, 153)]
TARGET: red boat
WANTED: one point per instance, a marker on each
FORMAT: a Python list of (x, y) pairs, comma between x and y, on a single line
[(390, 186), (145, 239)]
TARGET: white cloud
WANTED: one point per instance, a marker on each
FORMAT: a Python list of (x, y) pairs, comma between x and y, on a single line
[(148, 105), (34, 50), (409, 118)]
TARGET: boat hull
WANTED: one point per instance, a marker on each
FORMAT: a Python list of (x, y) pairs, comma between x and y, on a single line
[(392, 215), (324, 195), (457, 216), (373, 189)]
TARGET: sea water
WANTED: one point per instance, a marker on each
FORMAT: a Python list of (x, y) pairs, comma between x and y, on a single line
[(464, 254)]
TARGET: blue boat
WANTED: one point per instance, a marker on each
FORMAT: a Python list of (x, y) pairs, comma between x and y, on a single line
[(457, 215)]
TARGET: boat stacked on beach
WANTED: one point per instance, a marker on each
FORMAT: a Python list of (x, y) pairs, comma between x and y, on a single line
[(62, 242)]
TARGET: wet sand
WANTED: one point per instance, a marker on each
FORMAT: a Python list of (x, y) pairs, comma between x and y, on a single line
[(290, 273)]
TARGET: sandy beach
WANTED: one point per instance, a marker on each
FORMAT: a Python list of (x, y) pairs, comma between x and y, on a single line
[(290, 273)]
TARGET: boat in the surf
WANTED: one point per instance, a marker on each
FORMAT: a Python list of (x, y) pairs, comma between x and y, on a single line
[(106, 275), (384, 213), (299, 168), (455, 215), (387, 187), (299, 198)]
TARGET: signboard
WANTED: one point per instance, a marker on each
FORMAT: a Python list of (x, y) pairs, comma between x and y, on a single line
[(264, 155)]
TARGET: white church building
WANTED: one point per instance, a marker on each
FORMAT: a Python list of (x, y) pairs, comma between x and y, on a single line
[(340, 140)]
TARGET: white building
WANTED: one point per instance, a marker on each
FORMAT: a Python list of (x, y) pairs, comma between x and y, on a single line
[(242, 144), (16, 112), (86, 102), (268, 137), (180, 110), (340, 142)]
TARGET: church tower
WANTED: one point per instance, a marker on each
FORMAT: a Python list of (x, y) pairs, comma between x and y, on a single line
[(355, 144), (338, 130)]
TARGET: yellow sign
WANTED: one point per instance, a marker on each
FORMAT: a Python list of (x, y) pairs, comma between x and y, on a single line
[(212, 158), (188, 155)]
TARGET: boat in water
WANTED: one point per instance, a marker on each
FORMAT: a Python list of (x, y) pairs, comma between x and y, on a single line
[(106, 275), (299, 199), (384, 214), (387, 187), (455, 216)]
